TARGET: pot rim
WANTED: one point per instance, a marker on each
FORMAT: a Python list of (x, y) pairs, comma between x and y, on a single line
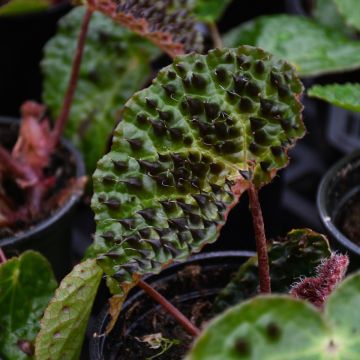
[(54, 217), (325, 216), (96, 343)]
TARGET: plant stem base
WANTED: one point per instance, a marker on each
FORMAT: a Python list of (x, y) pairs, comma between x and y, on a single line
[(171, 309)]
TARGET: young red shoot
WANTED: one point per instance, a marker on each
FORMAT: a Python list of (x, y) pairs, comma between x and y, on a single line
[(328, 275)]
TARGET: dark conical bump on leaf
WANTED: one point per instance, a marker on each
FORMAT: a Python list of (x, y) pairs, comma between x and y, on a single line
[(171, 195), (169, 24)]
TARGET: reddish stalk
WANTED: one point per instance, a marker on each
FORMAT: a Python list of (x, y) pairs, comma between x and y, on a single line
[(261, 244), (15, 168), (63, 117), (215, 35), (3, 258), (171, 309)]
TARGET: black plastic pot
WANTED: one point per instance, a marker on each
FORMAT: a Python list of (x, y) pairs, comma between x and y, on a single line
[(212, 272), (22, 38), (52, 236), (338, 186)]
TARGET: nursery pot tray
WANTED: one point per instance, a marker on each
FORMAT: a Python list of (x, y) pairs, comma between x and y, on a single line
[(191, 286), (338, 202), (50, 236)]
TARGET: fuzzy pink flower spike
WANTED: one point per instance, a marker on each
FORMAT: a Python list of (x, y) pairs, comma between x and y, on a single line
[(328, 275)]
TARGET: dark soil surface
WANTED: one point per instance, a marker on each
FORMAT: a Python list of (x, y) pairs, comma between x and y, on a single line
[(156, 324), (349, 219), (144, 331)]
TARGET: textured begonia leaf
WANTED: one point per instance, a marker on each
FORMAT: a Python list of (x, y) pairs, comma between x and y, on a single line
[(116, 63), (65, 320), (265, 328), (279, 327), (276, 327), (342, 311), (312, 48), (350, 9), (209, 10), (169, 24), (27, 284), (185, 150), (346, 96), (292, 257)]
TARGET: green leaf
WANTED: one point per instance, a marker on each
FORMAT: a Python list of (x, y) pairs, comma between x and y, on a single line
[(292, 257), (15, 7), (209, 10), (170, 25), (65, 320), (279, 327), (350, 9), (342, 312), (265, 328), (326, 13), (27, 284), (346, 96), (116, 63), (312, 48), (185, 150)]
